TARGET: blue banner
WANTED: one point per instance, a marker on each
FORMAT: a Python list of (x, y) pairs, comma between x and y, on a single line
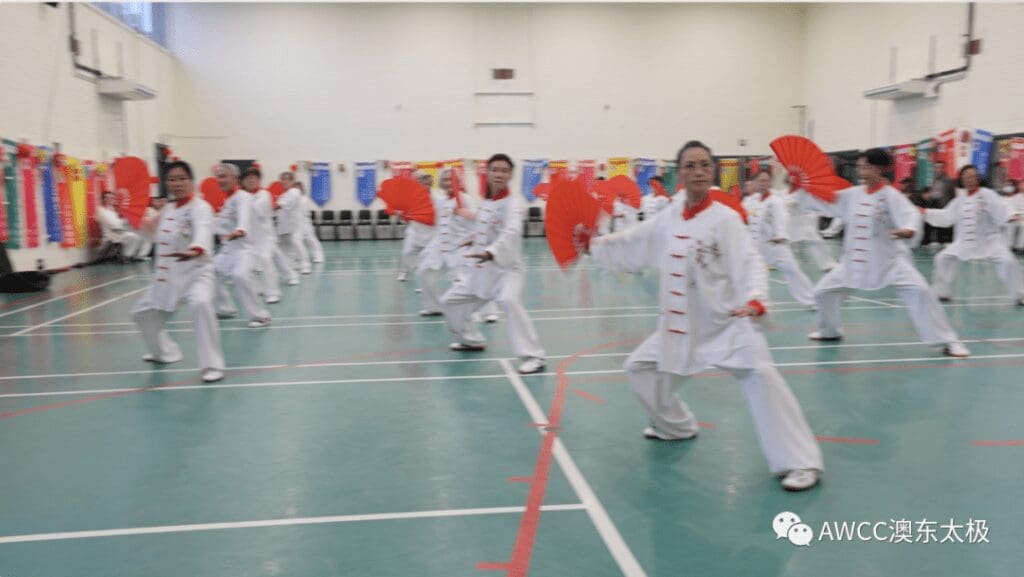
[(320, 183), (54, 231), (645, 169), (982, 155), (533, 174), (366, 182)]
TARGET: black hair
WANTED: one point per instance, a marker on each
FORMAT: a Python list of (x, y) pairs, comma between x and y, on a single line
[(658, 178), (960, 176), (877, 157), (500, 157), (287, 173), (252, 171), (688, 146), (178, 164)]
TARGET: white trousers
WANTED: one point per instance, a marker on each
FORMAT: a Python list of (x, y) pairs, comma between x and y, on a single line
[(309, 240), (815, 248), (272, 261), (923, 306), (1013, 232), (239, 268), (781, 257), (786, 439), (1007, 268), (459, 304), (295, 250), (200, 299)]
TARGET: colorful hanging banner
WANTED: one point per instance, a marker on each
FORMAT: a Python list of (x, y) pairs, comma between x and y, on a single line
[(67, 215), (533, 175), (670, 176), (946, 151), (401, 169), (618, 165), (644, 170), (93, 183), (51, 203), (320, 183), (924, 164), (11, 233), (27, 169), (981, 150), (1015, 165), (366, 182), (904, 160), (430, 167), (728, 173), (79, 204)]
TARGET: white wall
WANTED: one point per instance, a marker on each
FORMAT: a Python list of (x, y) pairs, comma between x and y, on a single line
[(44, 101), (346, 83), (847, 50)]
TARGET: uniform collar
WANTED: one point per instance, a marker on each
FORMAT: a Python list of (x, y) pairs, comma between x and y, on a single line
[(690, 212), (873, 189), (765, 195), (180, 202), (973, 192), (500, 195)]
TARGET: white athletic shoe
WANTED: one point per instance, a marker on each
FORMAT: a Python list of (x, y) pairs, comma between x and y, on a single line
[(531, 366), (306, 271), (212, 375), (491, 318), (272, 300), (430, 313), (293, 282), (162, 361), (817, 336), (402, 277), (259, 323), (801, 479), (956, 350), (652, 433)]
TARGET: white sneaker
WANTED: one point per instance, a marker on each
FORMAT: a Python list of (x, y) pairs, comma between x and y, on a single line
[(293, 282), (491, 318), (817, 336), (402, 277), (652, 433), (417, 289), (162, 361), (318, 261), (272, 300), (956, 350), (212, 375), (801, 479), (259, 323), (531, 366), (430, 313)]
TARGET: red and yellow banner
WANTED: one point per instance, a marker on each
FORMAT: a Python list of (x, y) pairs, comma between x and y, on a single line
[(729, 173), (619, 165)]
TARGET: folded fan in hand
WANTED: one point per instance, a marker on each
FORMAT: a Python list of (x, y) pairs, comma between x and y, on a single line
[(809, 167), (132, 174), (212, 193), (409, 199), (570, 220)]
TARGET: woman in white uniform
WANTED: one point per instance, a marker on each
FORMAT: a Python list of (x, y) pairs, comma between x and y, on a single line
[(184, 273), (712, 291), (417, 234), (445, 252), (116, 229), (977, 215), (289, 223)]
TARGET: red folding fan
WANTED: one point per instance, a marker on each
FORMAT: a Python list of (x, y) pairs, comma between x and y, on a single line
[(570, 220), (132, 175), (276, 189), (809, 167), (212, 193), (626, 190), (408, 199), (542, 190), (657, 188)]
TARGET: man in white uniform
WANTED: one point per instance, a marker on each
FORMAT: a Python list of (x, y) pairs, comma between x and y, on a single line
[(264, 237), (445, 251), (879, 220), (712, 290), (236, 259), (289, 223), (977, 215), (307, 228), (769, 228), (497, 273), (184, 272), (115, 229), (417, 234), (803, 229), (1014, 231)]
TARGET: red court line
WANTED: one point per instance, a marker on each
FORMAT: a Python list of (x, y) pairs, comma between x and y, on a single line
[(851, 440), (589, 397), (520, 479), (1011, 443), (705, 425), (522, 550)]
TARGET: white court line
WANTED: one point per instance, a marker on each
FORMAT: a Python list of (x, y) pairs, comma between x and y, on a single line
[(271, 384), (287, 522), (864, 300), (76, 313), (335, 364), (613, 540), (62, 297)]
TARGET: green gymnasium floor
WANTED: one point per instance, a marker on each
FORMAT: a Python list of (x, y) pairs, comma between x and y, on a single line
[(347, 440)]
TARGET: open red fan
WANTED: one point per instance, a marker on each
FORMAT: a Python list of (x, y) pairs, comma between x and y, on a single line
[(570, 220), (408, 199), (542, 190), (212, 193), (626, 190), (132, 174), (809, 167), (276, 189)]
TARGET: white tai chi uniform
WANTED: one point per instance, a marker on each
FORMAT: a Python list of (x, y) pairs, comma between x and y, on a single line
[(873, 260), (417, 237), (769, 219), (308, 230), (117, 230), (1014, 231), (623, 216), (443, 252), (653, 204), (265, 240), (498, 230), (236, 259), (289, 228), (977, 219), (182, 227), (803, 229), (147, 230), (708, 268)]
